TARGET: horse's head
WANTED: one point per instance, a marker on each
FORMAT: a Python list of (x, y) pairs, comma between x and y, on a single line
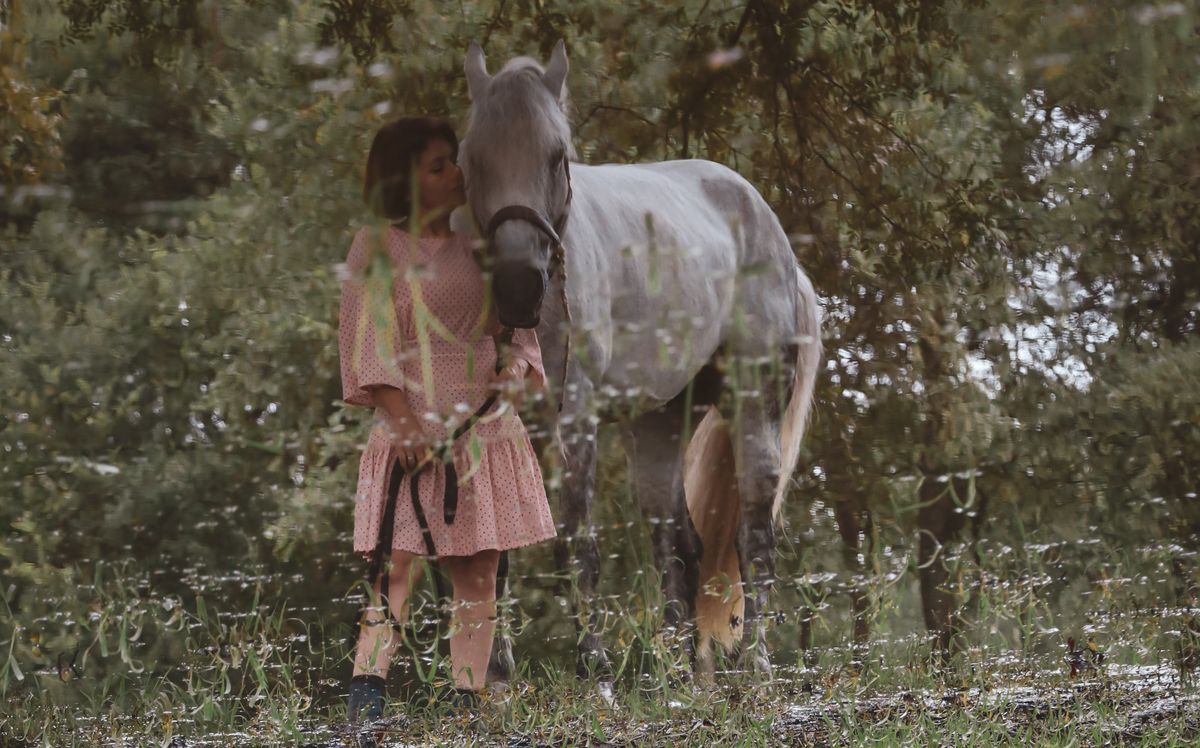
[(515, 158)]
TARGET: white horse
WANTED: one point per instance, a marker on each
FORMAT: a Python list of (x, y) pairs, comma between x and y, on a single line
[(686, 311)]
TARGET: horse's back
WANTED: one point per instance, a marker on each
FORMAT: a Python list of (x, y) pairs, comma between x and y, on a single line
[(690, 251), (721, 186), (705, 202)]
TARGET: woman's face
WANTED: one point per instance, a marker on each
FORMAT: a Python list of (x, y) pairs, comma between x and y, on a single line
[(439, 180)]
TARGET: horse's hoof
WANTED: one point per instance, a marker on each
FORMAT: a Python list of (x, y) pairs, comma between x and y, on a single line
[(501, 664), (591, 662), (604, 690), (755, 662), (499, 690)]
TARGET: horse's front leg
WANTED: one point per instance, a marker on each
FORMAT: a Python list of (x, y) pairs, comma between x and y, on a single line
[(757, 457), (653, 444), (501, 663), (575, 551)]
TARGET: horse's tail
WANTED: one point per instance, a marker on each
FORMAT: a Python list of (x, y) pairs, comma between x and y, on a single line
[(799, 407), (710, 485)]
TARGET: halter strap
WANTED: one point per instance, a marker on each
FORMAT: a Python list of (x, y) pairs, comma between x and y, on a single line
[(522, 213), (535, 217)]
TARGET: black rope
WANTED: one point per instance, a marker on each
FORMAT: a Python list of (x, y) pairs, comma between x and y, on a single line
[(450, 500), (380, 569)]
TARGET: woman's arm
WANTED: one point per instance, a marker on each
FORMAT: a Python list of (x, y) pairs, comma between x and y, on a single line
[(527, 350), (394, 404), (404, 426), (368, 331), (522, 368)]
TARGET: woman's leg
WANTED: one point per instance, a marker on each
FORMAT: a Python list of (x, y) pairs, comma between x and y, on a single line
[(473, 619), (377, 639)]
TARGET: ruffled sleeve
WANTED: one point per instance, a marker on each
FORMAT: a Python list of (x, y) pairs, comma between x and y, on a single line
[(368, 331), (525, 346)]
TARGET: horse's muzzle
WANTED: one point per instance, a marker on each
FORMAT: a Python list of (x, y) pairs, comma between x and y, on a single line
[(519, 291)]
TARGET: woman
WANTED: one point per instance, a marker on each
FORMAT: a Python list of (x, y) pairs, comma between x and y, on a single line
[(416, 344)]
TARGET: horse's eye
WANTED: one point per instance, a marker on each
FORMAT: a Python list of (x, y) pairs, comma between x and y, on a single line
[(556, 161)]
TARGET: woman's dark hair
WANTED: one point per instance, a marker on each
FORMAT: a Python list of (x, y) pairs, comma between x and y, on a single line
[(395, 151)]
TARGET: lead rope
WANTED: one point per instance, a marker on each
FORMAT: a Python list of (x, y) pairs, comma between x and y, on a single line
[(561, 260)]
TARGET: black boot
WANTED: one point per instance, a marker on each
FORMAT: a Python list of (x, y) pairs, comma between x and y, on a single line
[(365, 706)]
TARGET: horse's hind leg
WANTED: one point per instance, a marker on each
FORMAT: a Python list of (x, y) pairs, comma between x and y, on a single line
[(939, 523), (855, 525), (654, 445)]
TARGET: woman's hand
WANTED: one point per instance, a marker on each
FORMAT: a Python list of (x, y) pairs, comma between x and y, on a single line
[(510, 381), (409, 441), (404, 428)]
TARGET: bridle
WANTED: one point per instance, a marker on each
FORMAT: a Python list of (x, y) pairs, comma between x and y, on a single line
[(539, 221), (558, 260)]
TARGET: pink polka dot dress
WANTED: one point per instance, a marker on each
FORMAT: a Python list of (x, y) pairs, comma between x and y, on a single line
[(433, 342)]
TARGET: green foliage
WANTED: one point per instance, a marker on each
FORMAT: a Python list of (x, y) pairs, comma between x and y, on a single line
[(29, 129), (155, 27)]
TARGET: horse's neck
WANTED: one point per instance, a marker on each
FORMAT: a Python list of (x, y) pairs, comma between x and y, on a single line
[(603, 226), (599, 225), (609, 215)]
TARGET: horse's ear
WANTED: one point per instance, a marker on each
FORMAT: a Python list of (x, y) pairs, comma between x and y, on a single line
[(476, 69), (556, 72)]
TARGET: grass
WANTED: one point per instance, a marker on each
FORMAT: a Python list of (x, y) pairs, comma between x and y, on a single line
[(148, 670), (258, 656)]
